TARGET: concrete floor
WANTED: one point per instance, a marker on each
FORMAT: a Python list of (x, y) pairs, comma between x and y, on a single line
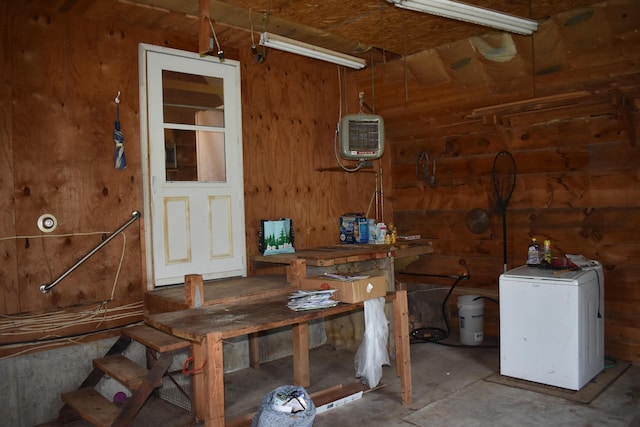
[(450, 388)]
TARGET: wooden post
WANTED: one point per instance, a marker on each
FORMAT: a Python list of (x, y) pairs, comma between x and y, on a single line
[(301, 376), (214, 381), (205, 29), (194, 290), (403, 354), (199, 405), (296, 271), (254, 350)]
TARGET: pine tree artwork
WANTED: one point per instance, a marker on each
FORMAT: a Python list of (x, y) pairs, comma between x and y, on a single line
[(276, 236)]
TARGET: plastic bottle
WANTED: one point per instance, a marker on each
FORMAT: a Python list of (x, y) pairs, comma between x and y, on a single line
[(381, 232), (533, 254), (546, 252), (363, 230), (371, 225)]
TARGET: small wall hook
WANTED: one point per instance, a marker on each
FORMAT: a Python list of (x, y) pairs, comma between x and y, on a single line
[(117, 100)]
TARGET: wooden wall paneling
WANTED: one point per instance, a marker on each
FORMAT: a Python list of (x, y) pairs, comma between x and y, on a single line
[(622, 306), (63, 115), (582, 131), (577, 229), (584, 107), (577, 190), (288, 135), (457, 195), (473, 142), (583, 78), (36, 147), (77, 145), (450, 171), (9, 291), (623, 350)]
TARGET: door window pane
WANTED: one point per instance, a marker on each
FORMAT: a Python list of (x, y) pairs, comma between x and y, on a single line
[(195, 155), (184, 95)]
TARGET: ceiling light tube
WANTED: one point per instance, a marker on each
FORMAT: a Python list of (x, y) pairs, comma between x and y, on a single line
[(293, 46), (474, 14)]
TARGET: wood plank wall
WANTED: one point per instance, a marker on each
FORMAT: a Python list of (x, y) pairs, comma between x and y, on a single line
[(59, 74), (290, 115), (578, 162)]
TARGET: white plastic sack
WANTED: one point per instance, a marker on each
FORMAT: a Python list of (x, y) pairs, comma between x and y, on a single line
[(276, 411), (372, 353)]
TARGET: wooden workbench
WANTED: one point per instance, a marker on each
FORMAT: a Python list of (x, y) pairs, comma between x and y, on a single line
[(206, 327), (342, 254)]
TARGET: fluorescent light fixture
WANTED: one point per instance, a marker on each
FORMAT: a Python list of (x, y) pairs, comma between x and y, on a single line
[(305, 49), (474, 14)]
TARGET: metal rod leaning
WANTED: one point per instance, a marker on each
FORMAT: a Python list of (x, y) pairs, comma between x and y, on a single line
[(135, 215)]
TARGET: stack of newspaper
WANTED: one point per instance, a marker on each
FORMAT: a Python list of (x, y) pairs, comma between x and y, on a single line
[(303, 299)]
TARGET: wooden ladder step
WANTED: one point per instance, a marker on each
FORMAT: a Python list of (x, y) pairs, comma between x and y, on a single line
[(155, 339), (124, 370), (92, 406)]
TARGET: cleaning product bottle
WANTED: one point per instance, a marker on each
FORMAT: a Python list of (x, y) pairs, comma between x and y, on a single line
[(533, 254), (381, 233), (371, 226), (546, 252)]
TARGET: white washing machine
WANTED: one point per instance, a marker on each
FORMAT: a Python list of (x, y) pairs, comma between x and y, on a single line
[(552, 325)]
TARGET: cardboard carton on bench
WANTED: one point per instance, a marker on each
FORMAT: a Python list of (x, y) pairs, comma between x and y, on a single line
[(351, 290)]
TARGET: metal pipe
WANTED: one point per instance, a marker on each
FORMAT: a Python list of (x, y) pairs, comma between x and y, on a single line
[(46, 288)]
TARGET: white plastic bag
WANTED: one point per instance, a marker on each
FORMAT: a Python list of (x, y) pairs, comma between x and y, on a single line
[(286, 406), (372, 353)]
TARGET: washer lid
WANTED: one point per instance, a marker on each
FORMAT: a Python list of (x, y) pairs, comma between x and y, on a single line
[(526, 272)]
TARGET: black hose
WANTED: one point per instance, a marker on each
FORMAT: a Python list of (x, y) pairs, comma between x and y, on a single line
[(431, 334), (420, 333)]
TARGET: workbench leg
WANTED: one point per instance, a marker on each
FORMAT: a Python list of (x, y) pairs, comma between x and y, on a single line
[(403, 353), (214, 382), (301, 375), (198, 401), (254, 350)]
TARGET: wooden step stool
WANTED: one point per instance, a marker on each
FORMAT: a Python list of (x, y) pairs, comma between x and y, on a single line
[(94, 408)]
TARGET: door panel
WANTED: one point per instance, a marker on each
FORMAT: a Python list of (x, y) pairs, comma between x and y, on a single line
[(177, 230)]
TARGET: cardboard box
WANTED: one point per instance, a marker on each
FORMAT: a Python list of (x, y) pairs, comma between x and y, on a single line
[(350, 291)]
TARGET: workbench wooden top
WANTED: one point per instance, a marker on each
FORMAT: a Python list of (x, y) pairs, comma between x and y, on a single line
[(341, 254), (235, 319)]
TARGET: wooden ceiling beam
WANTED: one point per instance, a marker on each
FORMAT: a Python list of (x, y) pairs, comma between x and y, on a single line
[(205, 32)]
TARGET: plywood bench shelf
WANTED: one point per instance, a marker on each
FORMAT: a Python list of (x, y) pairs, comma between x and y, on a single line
[(172, 298)]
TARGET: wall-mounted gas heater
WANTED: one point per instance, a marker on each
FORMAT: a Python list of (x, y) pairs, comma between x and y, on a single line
[(361, 136)]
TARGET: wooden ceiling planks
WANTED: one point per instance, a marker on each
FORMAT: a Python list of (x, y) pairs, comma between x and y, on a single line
[(372, 29), (354, 26), (439, 51)]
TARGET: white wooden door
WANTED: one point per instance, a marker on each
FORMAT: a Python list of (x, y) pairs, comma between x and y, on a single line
[(194, 187)]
